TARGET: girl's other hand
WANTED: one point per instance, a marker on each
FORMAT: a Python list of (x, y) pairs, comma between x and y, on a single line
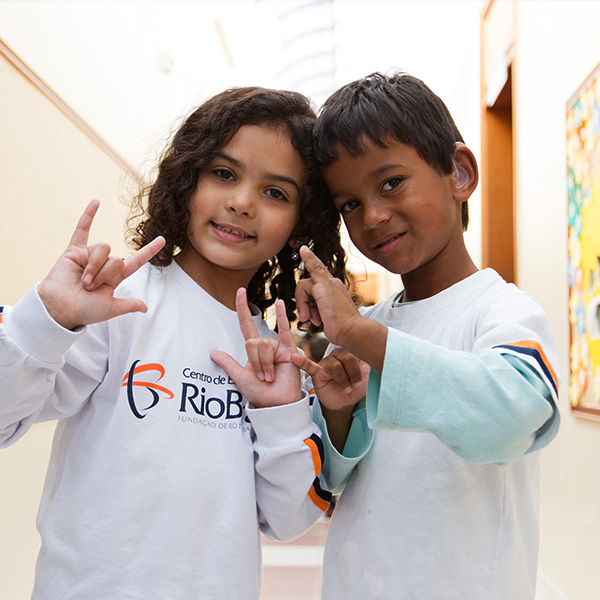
[(269, 377), (79, 289)]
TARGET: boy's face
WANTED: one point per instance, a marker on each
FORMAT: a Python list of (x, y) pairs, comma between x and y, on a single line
[(399, 211)]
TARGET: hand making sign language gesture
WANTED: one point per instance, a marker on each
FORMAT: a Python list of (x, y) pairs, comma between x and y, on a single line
[(340, 379), (79, 289), (269, 377), (325, 300)]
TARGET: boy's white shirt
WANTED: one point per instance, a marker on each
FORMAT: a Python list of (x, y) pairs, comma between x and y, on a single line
[(425, 512), (158, 483)]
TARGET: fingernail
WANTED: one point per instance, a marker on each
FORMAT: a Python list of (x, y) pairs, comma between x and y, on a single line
[(348, 390), (87, 279)]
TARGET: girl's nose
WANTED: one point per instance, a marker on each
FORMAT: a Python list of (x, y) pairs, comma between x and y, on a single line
[(242, 201)]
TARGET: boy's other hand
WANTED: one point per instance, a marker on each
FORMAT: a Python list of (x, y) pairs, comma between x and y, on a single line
[(79, 289), (340, 381)]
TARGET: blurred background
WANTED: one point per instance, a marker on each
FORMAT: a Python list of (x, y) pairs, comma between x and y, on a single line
[(90, 91)]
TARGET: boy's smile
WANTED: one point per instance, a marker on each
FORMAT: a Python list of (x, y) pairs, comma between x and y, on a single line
[(403, 214)]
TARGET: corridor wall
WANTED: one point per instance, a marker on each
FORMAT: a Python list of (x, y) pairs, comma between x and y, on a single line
[(557, 47), (50, 167)]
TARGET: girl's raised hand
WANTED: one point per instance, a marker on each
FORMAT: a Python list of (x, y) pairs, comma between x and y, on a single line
[(269, 377), (79, 289)]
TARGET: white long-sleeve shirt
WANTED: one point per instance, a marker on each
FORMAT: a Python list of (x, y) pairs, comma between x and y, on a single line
[(161, 475), (441, 468)]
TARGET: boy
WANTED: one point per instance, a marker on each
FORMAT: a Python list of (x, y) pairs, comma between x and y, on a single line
[(438, 464)]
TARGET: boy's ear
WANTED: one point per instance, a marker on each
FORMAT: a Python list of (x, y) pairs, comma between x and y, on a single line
[(466, 173)]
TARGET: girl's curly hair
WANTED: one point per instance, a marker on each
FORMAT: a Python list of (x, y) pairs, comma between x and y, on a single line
[(161, 208)]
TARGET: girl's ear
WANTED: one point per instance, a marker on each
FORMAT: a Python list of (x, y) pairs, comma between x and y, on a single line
[(465, 174)]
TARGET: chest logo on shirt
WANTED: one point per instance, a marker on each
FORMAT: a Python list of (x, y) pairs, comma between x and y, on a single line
[(132, 380)]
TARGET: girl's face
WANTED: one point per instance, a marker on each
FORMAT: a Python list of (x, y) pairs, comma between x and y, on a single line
[(245, 207)]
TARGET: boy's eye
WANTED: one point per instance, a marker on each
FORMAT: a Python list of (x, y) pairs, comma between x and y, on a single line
[(276, 194), (349, 206), (225, 174), (390, 184)]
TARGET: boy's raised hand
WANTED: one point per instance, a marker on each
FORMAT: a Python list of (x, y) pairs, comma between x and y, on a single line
[(323, 299), (79, 289), (269, 377)]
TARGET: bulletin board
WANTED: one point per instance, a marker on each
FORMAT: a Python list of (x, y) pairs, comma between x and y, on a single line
[(583, 185)]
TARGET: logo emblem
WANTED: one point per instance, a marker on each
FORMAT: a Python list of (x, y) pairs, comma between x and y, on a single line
[(131, 380)]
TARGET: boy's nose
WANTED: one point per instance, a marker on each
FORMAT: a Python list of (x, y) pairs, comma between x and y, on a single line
[(374, 214)]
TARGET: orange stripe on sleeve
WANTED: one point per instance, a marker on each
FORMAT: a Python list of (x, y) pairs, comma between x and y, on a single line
[(315, 455), (319, 502), (535, 345)]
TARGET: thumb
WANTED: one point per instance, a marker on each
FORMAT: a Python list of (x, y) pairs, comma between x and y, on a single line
[(307, 365), (123, 306), (227, 363)]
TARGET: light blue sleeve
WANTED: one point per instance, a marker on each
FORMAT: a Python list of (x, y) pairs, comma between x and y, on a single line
[(486, 407), (337, 468)]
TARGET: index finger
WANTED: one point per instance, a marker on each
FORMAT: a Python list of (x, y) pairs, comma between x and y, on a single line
[(82, 229), (283, 325), (247, 324), (318, 271)]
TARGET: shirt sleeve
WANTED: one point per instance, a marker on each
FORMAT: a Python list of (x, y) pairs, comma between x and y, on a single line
[(337, 468), (38, 382), (290, 492), (488, 406)]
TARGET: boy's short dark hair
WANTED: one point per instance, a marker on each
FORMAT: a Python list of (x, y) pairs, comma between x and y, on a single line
[(378, 107)]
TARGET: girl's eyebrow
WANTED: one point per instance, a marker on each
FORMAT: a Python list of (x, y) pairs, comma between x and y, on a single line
[(275, 176)]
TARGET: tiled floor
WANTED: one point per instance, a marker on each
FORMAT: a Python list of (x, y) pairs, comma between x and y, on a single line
[(292, 570)]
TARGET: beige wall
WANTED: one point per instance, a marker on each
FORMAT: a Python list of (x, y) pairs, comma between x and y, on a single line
[(558, 45), (49, 170)]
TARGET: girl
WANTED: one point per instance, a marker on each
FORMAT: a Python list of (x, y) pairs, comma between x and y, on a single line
[(163, 470)]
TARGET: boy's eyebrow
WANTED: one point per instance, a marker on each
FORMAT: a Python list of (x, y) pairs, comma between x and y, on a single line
[(386, 167), (275, 176), (375, 173)]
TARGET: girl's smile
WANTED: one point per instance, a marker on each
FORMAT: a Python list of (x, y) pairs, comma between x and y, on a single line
[(231, 233)]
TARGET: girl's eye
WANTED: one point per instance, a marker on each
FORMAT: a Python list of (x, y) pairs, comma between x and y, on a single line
[(390, 184), (349, 206), (224, 174), (276, 194)]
